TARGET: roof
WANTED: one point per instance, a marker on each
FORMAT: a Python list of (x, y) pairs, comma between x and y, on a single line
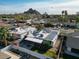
[(3, 24), (4, 56), (74, 34), (73, 40), (53, 35), (43, 35), (18, 31)]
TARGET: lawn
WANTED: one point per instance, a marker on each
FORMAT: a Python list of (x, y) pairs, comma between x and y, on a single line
[(50, 53), (45, 48)]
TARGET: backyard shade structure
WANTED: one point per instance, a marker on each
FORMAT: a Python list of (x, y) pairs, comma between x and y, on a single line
[(4, 56), (34, 40)]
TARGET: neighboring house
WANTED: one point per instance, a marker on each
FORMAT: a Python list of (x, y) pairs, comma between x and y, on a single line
[(72, 44), (18, 32), (2, 23), (70, 25), (77, 25), (39, 21), (29, 21), (21, 23)]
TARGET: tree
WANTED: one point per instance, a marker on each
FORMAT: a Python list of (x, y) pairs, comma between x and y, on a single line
[(77, 19), (39, 27), (4, 35), (64, 12)]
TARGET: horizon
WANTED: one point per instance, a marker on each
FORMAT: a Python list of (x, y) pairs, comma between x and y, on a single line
[(49, 6)]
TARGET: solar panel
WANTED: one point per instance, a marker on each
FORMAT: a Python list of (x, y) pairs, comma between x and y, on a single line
[(51, 36)]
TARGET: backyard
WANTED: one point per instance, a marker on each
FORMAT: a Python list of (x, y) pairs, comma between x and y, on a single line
[(45, 49)]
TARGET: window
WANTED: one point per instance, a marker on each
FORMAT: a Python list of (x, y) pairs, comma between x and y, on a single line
[(75, 50)]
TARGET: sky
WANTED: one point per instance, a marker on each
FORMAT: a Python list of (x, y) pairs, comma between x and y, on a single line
[(49, 6)]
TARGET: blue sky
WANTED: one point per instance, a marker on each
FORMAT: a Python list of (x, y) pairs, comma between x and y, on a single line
[(49, 6), (28, 1)]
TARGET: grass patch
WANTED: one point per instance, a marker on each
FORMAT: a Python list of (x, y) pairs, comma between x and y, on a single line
[(50, 53)]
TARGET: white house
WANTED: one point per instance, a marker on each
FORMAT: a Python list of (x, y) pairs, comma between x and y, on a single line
[(19, 32), (39, 37)]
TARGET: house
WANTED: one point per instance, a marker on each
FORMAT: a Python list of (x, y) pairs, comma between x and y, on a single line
[(23, 48), (69, 25), (20, 23), (72, 44), (77, 25), (43, 35), (2, 23), (40, 40), (18, 32), (29, 21), (39, 21)]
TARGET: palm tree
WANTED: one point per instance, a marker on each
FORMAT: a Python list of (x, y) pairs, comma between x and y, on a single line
[(4, 35)]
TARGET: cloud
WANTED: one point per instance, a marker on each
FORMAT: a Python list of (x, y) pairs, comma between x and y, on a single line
[(52, 8)]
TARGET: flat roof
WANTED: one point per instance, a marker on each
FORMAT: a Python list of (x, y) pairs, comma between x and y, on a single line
[(52, 36), (18, 31), (74, 34), (4, 56), (46, 36)]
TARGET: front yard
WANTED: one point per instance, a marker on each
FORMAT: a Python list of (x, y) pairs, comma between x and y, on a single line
[(50, 53)]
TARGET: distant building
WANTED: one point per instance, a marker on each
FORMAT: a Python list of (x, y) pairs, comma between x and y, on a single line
[(77, 13), (3, 23), (39, 21), (77, 25), (29, 21)]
